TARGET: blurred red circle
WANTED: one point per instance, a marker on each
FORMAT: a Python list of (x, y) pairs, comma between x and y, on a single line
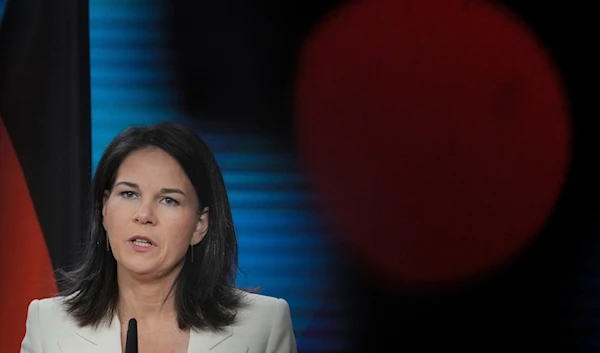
[(436, 132)]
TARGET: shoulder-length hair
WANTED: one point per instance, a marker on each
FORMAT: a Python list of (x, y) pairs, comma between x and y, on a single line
[(204, 291)]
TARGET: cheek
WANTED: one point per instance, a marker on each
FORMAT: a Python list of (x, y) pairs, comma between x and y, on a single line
[(116, 215), (180, 229)]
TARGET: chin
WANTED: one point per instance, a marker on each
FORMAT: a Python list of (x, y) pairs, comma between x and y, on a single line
[(136, 268)]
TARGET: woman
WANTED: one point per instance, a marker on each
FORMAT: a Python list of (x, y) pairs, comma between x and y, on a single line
[(162, 250)]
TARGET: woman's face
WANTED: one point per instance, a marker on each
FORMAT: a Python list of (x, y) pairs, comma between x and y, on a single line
[(151, 215)]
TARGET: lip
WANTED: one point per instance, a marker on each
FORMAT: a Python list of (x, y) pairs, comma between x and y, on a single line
[(141, 248), (142, 237)]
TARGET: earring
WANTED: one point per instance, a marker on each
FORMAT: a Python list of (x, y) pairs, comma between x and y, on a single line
[(107, 244), (191, 253)]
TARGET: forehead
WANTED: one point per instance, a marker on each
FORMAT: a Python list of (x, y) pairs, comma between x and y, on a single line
[(152, 166)]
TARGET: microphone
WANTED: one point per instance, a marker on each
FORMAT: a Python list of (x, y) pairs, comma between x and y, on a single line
[(131, 342)]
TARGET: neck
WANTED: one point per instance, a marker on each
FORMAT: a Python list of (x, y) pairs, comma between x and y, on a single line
[(146, 301)]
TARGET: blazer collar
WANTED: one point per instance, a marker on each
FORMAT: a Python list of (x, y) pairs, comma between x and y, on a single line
[(107, 338), (87, 339), (215, 342)]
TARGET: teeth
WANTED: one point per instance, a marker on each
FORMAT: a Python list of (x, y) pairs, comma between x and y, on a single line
[(141, 242)]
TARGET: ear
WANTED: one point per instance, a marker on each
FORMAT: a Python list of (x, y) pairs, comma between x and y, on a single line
[(201, 226)]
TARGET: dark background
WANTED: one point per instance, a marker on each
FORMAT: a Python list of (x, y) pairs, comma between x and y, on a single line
[(235, 69)]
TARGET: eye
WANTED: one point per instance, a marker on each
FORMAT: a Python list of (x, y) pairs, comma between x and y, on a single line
[(170, 201), (128, 194)]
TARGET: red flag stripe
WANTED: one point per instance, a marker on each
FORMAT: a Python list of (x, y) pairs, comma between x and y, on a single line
[(25, 266)]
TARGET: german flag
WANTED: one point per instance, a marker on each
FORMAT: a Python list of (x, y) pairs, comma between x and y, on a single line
[(44, 150)]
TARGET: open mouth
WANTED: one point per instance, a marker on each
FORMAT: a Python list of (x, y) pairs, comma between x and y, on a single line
[(142, 242)]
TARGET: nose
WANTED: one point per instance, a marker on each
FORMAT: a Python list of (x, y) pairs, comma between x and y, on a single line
[(144, 214)]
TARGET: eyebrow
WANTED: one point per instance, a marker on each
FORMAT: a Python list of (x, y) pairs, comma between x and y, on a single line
[(162, 191)]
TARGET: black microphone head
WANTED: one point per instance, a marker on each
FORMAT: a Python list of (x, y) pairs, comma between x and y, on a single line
[(131, 343)]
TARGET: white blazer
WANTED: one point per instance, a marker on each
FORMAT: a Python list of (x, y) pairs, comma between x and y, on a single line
[(265, 325)]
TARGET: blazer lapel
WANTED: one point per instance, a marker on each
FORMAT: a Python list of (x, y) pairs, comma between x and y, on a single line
[(89, 340), (108, 339), (215, 342)]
